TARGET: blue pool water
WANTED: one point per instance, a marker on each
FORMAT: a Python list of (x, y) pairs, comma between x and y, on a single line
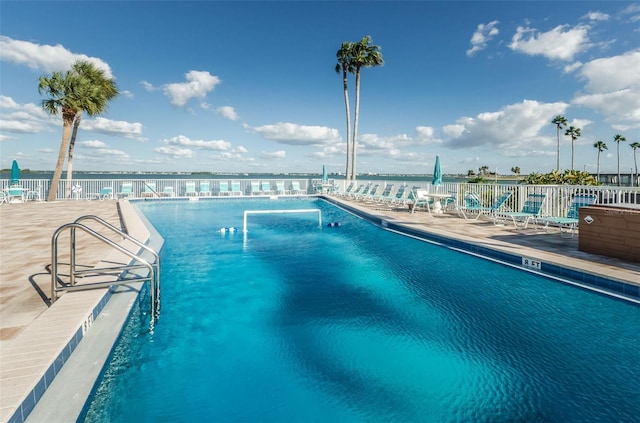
[(297, 323)]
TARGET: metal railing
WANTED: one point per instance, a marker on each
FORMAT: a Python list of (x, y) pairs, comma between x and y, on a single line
[(115, 275)]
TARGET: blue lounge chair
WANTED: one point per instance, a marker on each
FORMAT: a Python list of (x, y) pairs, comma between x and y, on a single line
[(473, 205), (531, 211), (569, 224), (190, 189), (235, 188), (104, 194), (265, 187), (126, 190), (295, 188), (149, 190), (254, 188), (280, 188), (223, 188), (168, 192), (205, 189)]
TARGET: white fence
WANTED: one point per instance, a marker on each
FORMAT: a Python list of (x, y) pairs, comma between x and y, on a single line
[(558, 197)]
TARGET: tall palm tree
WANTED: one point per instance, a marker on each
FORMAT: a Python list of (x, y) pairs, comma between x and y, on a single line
[(363, 53), (100, 91), (560, 122), (344, 64), (618, 139), (574, 133), (635, 146), (69, 93), (600, 146), (62, 89)]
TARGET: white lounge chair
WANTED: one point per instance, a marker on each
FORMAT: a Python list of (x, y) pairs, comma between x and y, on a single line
[(190, 189)]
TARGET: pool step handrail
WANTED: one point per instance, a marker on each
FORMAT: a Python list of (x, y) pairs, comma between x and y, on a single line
[(124, 274)]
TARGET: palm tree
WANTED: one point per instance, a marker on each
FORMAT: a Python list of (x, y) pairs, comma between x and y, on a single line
[(367, 55), (618, 139), (635, 146), (516, 170), (559, 121), (600, 146), (574, 133), (69, 93), (101, 91), (344, 64)]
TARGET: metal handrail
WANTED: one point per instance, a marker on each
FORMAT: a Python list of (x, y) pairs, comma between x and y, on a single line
[(153, 269)]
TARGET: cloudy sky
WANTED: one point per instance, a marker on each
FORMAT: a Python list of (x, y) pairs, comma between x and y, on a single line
[(251, 86)]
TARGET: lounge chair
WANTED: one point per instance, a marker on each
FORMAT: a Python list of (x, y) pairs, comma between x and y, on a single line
[(235, 188), (205, 189), (295, 188), (265, 187), (168, 192), (149, 190), (346, 191), (105, 193), (385, 196), (254, 188), (351, 195), (421, 200), (569, 224), (531, 211), (280, 188), (15, 194), (126, 190), (223, 188), (473, 205), (400, 197), (190, 189), (363, 192)]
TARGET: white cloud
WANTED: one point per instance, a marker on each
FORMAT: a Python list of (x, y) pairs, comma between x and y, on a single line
[(273, 155), (612, 73), (92, 144), (45, 58), (113, 127), (198, 84), (597, 16), (174, 152), (24, 118), (227, 112), (148, 86), (480, 38), (291, 133), (184, 141), (561, 43), (513, 126), (613, 88)]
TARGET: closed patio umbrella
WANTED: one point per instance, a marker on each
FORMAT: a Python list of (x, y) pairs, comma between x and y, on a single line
[(325, 178), (437, 172), (15, 173)]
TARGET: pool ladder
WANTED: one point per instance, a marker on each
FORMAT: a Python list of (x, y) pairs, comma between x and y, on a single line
[(139, 269)]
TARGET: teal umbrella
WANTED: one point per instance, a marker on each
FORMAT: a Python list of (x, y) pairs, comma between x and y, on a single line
[(437, 173), (15, 173), (325, 178)]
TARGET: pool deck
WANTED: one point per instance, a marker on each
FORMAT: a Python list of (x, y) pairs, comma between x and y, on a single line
[(32, 333)]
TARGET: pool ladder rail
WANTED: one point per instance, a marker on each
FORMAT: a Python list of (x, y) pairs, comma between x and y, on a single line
[(138, 269)]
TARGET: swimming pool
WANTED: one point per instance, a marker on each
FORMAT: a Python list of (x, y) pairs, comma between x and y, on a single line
[(297, 322)]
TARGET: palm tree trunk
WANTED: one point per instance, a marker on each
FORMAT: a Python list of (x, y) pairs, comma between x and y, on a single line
[(72, 143), (346, 106), (619, 178), (558, 149), (354, 141), (571, 153), (67, 120), (598, 167)]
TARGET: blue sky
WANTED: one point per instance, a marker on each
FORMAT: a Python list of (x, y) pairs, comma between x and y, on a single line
[(251, 86)]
